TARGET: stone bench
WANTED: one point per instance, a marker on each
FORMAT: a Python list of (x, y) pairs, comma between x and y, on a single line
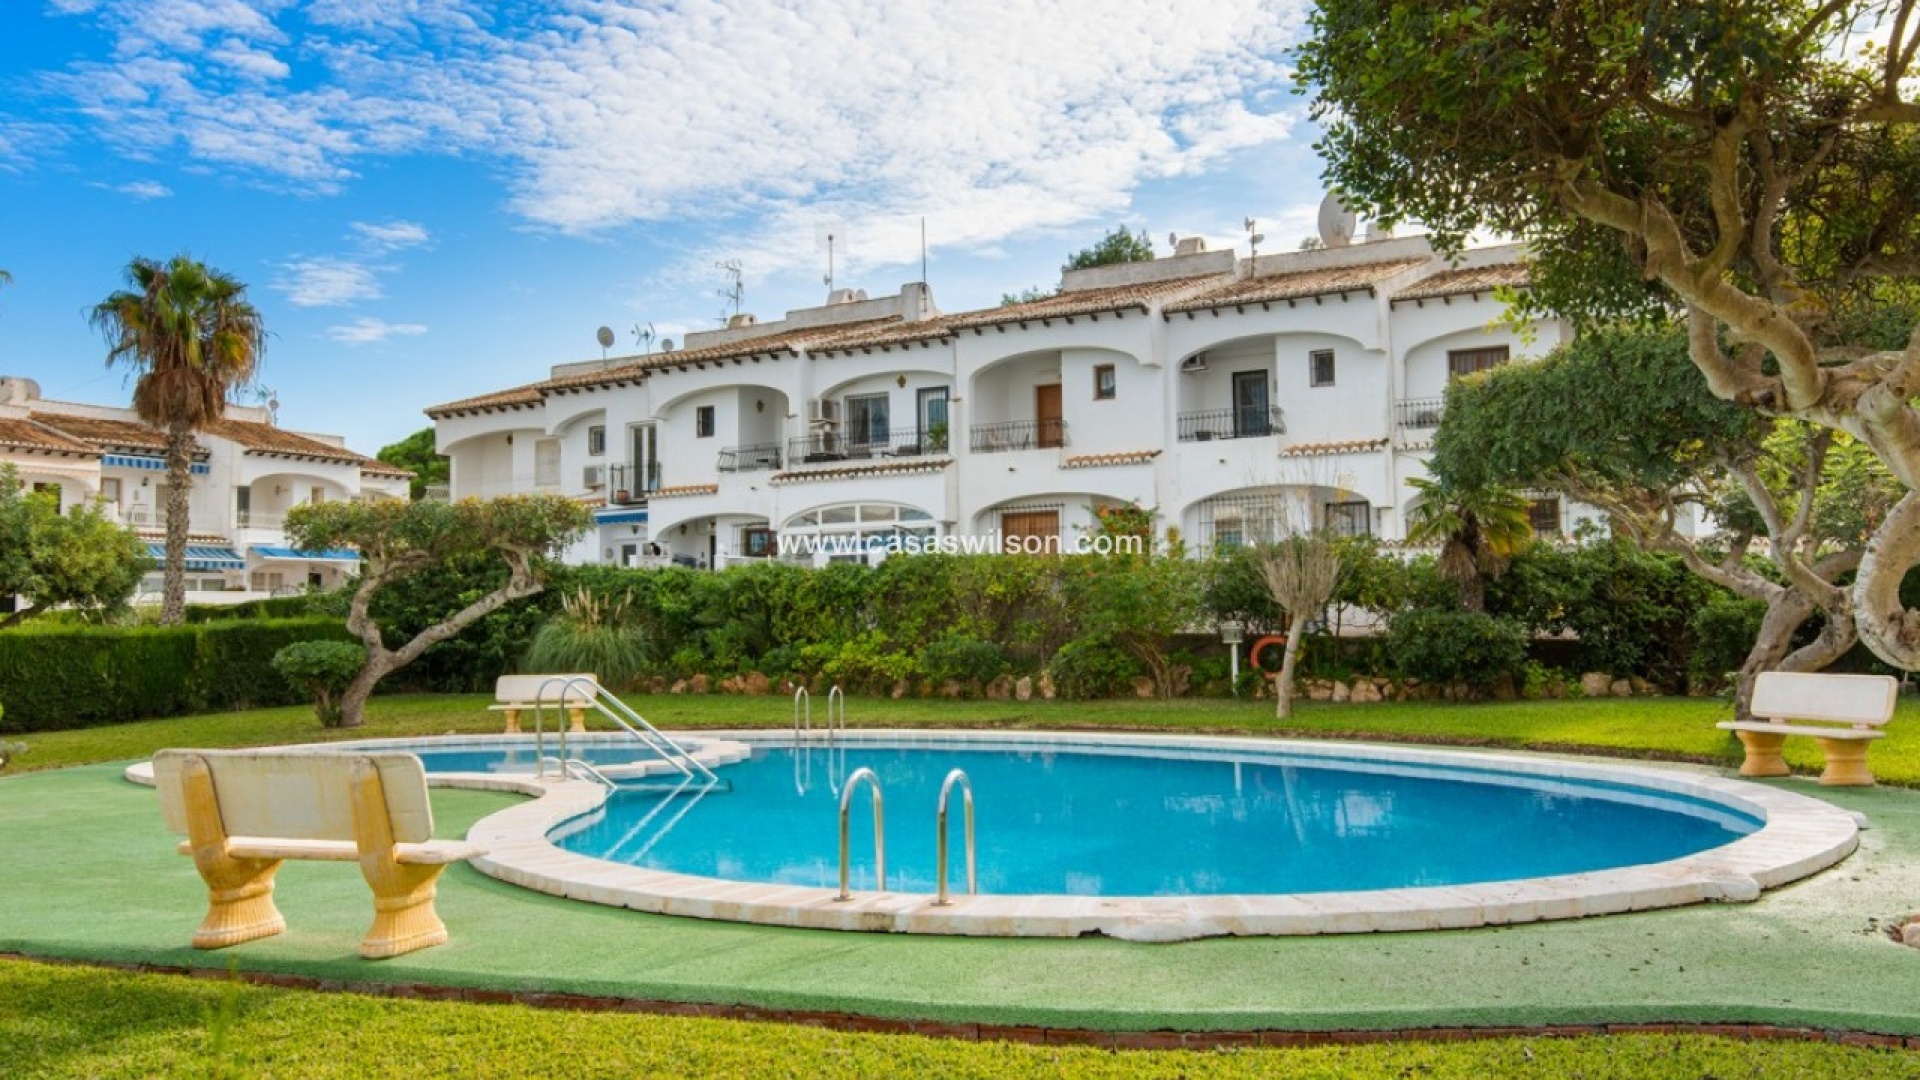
[(515, 694), (244, 812), (1843, 713)]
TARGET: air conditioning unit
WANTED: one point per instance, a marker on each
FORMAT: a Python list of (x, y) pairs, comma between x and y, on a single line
[(824, 411), (594, 476), (1195, 363)]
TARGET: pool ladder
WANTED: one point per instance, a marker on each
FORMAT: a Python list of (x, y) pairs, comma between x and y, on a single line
[(957, 777), (803, 712), (562, 691)]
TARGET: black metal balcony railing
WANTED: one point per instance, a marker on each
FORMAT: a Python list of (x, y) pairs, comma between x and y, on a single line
[(1019, 435), (1237, 423), (749, 458), (1419, 413), (630, 483), (849, 446)]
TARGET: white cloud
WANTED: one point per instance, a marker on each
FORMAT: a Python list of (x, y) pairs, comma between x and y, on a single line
[(367, 330), (991, 118), (144, 190), (390, 235), (327, 282)]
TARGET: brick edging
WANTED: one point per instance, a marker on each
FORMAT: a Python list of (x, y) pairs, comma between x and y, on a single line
[(1036, 1035)]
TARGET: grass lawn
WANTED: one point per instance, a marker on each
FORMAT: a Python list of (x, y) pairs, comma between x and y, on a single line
[(1674, 729), (88, 874)]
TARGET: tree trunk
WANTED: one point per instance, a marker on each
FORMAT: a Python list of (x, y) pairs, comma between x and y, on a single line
[(353, 703), (173, 587), (1887, 628), (1786, 611), (1283, 683)]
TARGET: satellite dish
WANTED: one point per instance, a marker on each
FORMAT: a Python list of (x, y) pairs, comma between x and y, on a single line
[(604, 335), (1337, 223)]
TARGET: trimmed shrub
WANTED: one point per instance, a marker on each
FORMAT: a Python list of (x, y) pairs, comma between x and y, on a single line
[(1094, 667), (963, 659), (62, 677), (1436, 645), (322, 670)]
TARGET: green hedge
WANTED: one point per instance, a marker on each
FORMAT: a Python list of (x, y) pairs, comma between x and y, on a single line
[(74, 677)]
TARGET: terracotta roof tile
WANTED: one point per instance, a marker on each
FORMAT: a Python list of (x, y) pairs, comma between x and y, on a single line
[(110, 434), (1084, 302), (790, 342), (887, 334), (1094, 461), (1322, 449), (684, 490), (29, 435), (516, 398), (887, 468), (1299, 285), (1468, 279), (266, 439)]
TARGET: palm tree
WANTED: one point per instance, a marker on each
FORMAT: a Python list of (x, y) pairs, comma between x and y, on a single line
[(194, 339), (1479, 531)]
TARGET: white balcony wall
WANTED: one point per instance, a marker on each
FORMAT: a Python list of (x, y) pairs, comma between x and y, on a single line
[(1133, 419)]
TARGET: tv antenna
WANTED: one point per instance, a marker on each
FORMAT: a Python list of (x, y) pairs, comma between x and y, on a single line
[(643, 338), (828, 237), (271, 400), (1253, 240), (736, 287), (604, 336)]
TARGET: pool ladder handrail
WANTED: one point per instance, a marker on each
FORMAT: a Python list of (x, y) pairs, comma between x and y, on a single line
[(576, 769), (879, 831), (959, 777), (802, 699), (834, 695), (614, 709)]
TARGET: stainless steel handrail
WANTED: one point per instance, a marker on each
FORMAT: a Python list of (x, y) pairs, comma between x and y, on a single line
[(560, 700), (801, 698), (615, 710), (957, 776), (879, 831), (834, 695)]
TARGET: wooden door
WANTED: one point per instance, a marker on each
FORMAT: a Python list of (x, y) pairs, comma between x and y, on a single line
[(1032, 532), (1046, 410)]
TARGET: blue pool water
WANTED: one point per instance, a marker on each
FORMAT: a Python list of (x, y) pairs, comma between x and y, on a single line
[(1081, 821)]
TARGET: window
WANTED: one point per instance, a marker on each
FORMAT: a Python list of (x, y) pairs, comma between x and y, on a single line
[(1350, 518), (1105, 383), (1320, 361), (703, 422), (868, 423), (317, 495), (110, 489), (1544, 516), (597, 440), (756, 542), (1467, 361)]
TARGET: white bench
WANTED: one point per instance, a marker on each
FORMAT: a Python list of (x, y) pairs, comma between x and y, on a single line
[(244, 812), (1850, 709), (515, 694)]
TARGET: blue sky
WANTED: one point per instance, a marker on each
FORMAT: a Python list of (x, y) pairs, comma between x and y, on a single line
[(431, 199)]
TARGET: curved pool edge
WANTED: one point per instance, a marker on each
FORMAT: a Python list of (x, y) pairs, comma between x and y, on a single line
[(1800, 836)]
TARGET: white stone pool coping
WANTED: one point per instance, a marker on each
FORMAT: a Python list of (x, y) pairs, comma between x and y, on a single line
[(1800, 836)]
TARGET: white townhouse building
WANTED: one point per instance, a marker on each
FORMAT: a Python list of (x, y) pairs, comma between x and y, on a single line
[(1241, 399), (247, 473)]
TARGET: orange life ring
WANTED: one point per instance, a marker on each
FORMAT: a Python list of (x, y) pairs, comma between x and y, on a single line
[(1260, 645)]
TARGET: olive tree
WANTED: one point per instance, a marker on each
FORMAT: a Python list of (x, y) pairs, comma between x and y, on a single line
[(1302, 572), (1751, 166), (398, 539), (1620, 420), (81, 559)]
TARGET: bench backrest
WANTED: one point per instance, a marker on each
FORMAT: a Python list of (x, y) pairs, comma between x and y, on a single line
[(530, 688), (304, 796), (1840, 699)]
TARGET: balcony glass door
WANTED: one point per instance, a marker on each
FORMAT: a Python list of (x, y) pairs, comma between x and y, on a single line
[(933, 418), (1251, 407), (867, 421)]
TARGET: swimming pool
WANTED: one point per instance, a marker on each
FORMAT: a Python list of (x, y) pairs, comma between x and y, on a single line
[(675, 863), (1104, 821)]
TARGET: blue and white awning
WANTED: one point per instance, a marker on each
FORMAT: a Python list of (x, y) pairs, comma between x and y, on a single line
[(296, 555), (620, 517), (150, 464), (202, 557)]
